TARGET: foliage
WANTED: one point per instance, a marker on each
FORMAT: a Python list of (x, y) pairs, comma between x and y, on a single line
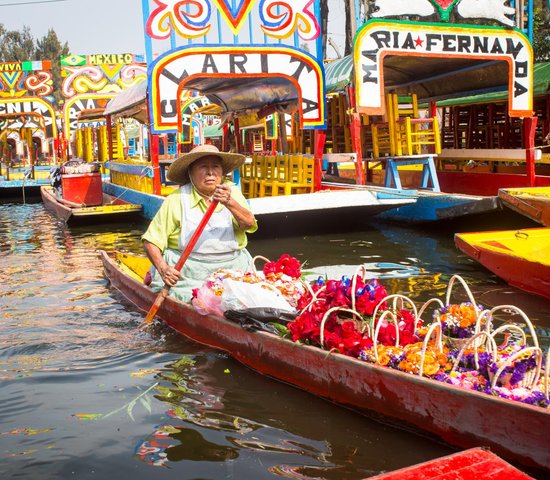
[(50, 48), (541, 35), (15, 45), (20, 46)]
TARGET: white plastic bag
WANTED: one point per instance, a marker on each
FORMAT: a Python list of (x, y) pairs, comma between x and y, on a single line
[(238, 295)]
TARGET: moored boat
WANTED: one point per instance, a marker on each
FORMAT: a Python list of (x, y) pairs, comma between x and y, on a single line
[(520, 257), (470, 464), (460, 417), (533, 202), (112, 209)]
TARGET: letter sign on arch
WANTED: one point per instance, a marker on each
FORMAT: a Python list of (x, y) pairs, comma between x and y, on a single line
[(31, 105), (378, 39), (169, 73)]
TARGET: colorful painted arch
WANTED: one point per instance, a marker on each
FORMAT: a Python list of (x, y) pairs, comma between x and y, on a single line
[(438, 61), (238, 78)]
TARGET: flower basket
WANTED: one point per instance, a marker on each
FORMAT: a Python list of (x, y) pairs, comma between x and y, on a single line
[(460, 321), (476, 342), (432, 357), (459, 343), (284, 275), (350, 339), (527, 379)]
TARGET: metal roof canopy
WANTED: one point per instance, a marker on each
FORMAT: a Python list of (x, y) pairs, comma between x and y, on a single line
[(434, 79), (131, 102), (246, 94)]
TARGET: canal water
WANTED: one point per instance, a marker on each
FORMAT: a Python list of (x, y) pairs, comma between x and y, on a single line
[(86, 394)]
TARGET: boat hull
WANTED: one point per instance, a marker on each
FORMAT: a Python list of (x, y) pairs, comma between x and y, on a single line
[(534, 203), (112, 209), (434, 206), (457, 416), (306, 212), (505, 254)]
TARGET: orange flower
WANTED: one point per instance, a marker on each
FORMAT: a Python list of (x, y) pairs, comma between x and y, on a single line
[(430, 369), (383, 359), (442, 359)]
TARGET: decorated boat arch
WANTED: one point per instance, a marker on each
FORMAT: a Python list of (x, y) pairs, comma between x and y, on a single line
[(28, 124), (417, 100), (90, 81), (26, 102), (259, 57)]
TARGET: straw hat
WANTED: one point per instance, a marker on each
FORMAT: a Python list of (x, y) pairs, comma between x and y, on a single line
[(179, 170)]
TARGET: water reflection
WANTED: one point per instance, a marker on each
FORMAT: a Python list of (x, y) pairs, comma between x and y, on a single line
[(222, 418), (81, 385)]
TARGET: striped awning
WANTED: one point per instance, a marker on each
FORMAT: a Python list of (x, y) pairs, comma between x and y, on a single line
[(338, 74)]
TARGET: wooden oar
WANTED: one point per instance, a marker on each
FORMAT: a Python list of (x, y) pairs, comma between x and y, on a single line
[(183, 258)]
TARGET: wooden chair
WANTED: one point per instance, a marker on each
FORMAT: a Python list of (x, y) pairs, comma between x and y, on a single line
[(266, 183), (301, 171), (247, 178), (413, 135), (256, 175), (384, 139)]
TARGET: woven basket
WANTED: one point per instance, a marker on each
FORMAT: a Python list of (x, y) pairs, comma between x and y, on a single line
[(531, 378), (356, 317), (459, 343), (395, 298)]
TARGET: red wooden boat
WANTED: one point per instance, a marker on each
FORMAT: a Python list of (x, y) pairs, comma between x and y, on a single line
[(458, 416), (471, 464), (112, 209)]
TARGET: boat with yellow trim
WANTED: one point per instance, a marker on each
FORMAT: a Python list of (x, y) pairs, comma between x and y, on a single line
[(112, 209), (399, 398), (532, 202), (520, 257)]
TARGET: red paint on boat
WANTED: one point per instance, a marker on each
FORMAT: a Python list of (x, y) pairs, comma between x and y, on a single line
[(484, 184), (473, 464), (494, 243), (460, 417)]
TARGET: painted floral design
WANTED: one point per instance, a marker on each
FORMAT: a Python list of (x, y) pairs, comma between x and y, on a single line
[(283, 18), (189, 18)]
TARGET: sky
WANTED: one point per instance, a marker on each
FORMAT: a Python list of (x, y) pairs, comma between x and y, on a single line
[(108, 26)]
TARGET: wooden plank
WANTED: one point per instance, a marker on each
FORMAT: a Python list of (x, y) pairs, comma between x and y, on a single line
[(340, 157), (488, 154)]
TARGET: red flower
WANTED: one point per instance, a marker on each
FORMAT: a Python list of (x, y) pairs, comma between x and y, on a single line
[(286, 264), (305, 327)]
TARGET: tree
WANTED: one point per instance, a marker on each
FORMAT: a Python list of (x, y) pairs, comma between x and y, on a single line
[(324, 25), (16, 46), (50, 48), (541, 35)]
